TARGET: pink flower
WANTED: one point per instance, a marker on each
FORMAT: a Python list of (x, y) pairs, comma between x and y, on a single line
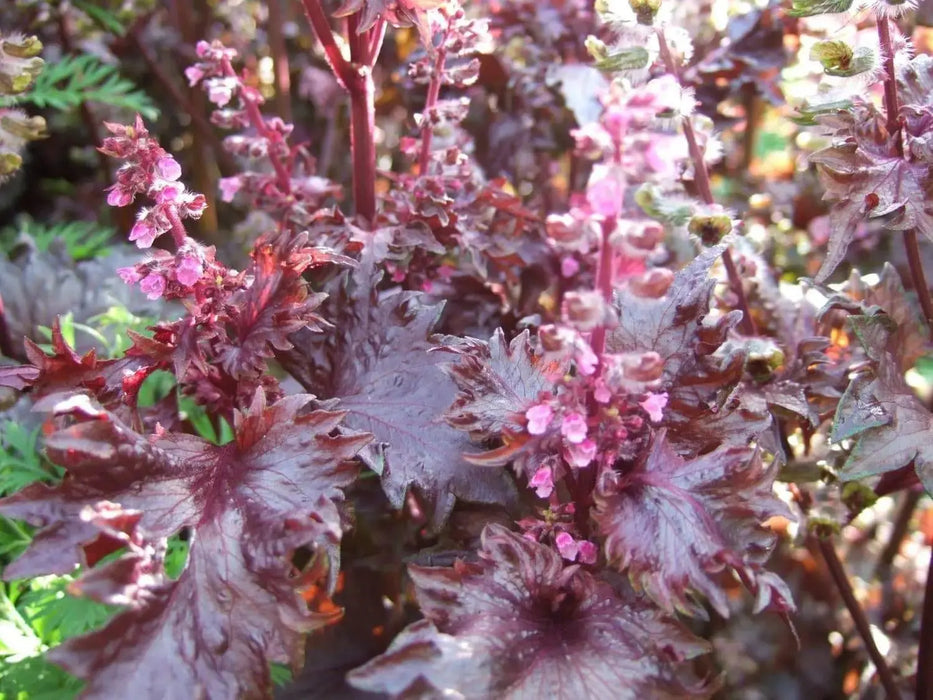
[(194, 74), (189, 270), (220, 90), (601, 393), (654, 405), (118, 197), (580, 455), (169, 168), (605, 195), (164, 191), (567, 546), (569, 266), (130, 275), (542, 482), (539, 418), (573, 427), (153, 286), (143, 233), (586, 552), (229, 186)]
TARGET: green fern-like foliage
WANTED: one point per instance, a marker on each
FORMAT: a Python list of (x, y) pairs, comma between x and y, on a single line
[(82, 239), (75, 79)]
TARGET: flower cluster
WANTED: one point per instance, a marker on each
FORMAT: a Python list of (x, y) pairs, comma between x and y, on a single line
[(148, 169), (291, 191)]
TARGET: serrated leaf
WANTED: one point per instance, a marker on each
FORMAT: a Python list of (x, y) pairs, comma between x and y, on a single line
[(379, 364), (673, 524), (247, 506), (891, 426), (521, 624)]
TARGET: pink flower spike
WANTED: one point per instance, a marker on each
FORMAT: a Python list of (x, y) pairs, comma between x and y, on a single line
[(169, 168), (542, 482), (130, 275), (586, 552), (229, 186), (654, 406), (539, 418), (573, 427), (567, 546), (143, 233), (189, 270), (153, 286)]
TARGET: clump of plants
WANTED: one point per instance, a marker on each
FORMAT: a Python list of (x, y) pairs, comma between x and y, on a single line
[(542, 387)]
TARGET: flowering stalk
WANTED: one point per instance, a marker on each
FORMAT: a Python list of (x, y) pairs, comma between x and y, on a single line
[(706, 192), (434, 91)]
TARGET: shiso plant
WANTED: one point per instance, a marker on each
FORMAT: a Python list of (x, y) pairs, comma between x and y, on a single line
[(548, 386)]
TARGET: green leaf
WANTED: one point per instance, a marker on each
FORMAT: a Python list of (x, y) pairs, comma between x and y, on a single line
[(101, 16), (55, 615), (20, 461), (808, 8), (627, 59), (840, 60), (76, 79), (82, 239)]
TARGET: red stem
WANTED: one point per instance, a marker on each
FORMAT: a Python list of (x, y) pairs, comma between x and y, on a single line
[(282, 176), (603, 282), (362, 118), (858, 617), (434, 91), (925, 652), (701, 178), (283, 83), (321, 26), (892, 119)]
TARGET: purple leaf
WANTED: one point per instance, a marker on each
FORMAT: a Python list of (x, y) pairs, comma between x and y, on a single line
[(676, 524), (521, 624), (379, 365), (247, 506)]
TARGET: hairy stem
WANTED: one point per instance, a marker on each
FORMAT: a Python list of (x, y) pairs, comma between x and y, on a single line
[(282, 170), (317, 18), (892, 120), (603, 282), (858, 616), (925, 652), (701, 178), (363, 116), (434, 91)]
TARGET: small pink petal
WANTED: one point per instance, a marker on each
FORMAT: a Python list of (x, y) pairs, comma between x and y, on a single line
[(189, 271), (169, 168), (573, 427), (118, 198), (569, 266), (153, 286), (580, 455), (542, 482), (567, 546), (539, 418), (654, 406), (130, 275), (229, 186), (143, 234), (586, 552)]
